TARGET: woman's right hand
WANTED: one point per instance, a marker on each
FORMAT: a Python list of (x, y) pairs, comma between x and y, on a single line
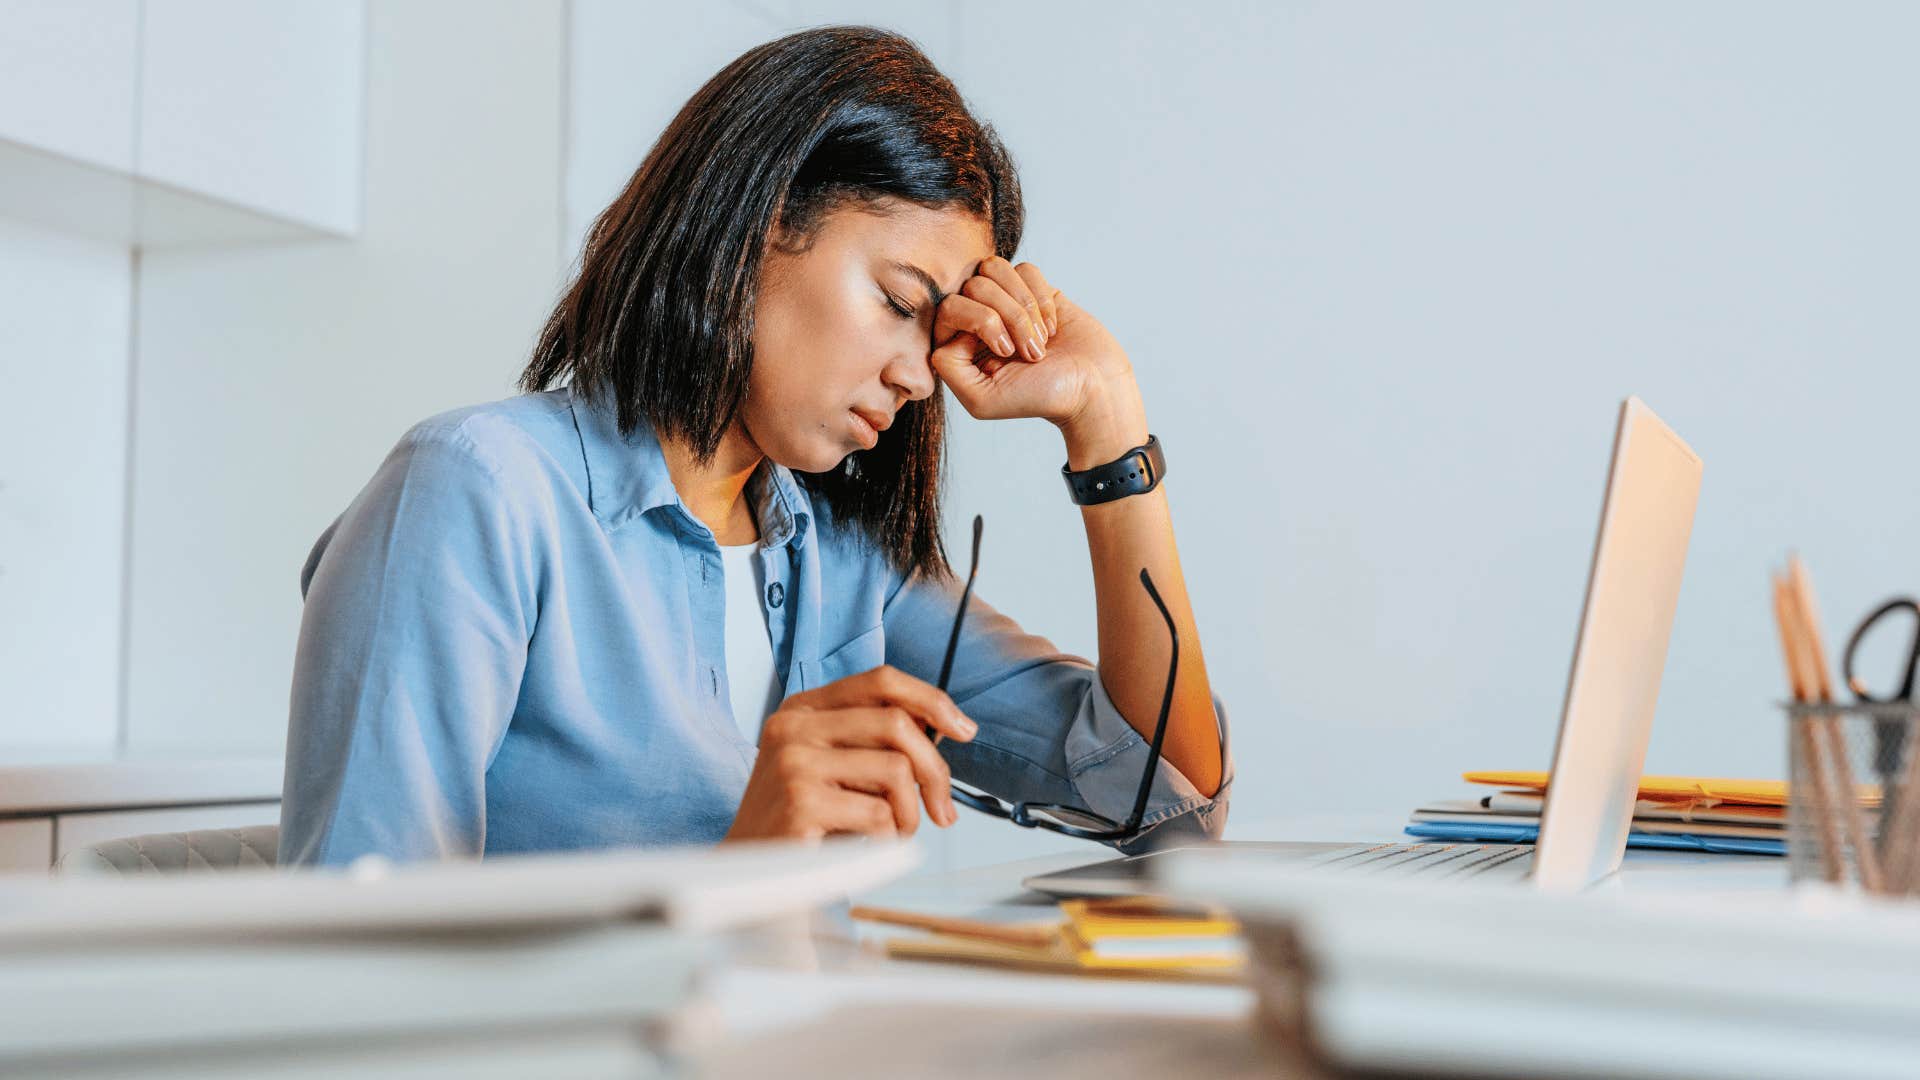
[(853, 756)]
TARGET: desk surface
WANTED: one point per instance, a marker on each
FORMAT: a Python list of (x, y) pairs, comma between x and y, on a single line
[(822, 1000), (65, 783)]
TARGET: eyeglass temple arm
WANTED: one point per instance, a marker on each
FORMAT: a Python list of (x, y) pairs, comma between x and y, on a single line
[(953, 639), (1166, 707)]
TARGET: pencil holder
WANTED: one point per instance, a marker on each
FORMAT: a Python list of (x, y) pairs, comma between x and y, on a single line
[(1853, 798)]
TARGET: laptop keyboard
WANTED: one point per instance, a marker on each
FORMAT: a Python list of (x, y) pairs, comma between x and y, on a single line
[(1443, 860)]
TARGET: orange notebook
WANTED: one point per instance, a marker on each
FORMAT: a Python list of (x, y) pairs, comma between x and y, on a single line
[(1695, 791)]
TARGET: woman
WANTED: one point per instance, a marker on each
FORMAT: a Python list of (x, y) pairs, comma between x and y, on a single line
[(561, 620)]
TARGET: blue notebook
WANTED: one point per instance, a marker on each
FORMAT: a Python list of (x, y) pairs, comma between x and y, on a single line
[(1495, 832)]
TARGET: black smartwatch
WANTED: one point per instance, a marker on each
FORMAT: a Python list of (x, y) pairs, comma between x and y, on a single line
[(1135, 472)]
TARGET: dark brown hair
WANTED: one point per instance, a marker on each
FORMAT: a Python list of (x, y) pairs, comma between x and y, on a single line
[(661, 313)]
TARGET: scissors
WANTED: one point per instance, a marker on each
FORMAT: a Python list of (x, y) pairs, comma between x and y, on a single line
[(1903, 693), (1889, 732)]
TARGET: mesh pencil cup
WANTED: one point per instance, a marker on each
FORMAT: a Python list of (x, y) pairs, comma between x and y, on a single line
[(1853, 798)]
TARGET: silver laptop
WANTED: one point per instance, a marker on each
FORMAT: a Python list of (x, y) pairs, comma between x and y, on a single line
[(1619, 652)]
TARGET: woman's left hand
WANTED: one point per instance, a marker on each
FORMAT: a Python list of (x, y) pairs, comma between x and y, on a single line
[(1009, 344)]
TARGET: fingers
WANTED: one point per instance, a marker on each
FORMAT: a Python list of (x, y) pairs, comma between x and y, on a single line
[(889, 776), (1045, 293), (999, 286), (955, 365), (963, 313), (887, 685), (813, 784), (892, 730), (828, 809), (883, 709), (968, 368), (805, 791)]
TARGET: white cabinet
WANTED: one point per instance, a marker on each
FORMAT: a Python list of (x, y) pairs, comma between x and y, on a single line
[(183, 122), (256, 104), (67, 74)]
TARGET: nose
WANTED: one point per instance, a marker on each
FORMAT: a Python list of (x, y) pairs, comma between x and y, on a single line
[(911, 375)]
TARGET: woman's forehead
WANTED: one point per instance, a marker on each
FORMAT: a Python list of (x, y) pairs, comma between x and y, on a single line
[(949, 243)]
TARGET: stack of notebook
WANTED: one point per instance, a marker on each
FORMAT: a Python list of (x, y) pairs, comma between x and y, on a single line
[(1116, 936), (1689, 813)]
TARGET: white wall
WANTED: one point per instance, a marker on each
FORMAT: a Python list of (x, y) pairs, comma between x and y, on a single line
[(632, 66), (63, 357), (1385, 272), (272, 380), (125, 123)]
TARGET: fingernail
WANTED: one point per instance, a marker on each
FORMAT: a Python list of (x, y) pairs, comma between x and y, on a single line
[(953, 814), (1053, 326), (968, 727), (1004, 345), (1038, 350)]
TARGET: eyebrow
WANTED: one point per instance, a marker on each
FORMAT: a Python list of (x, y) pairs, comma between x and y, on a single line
[(934, 292)]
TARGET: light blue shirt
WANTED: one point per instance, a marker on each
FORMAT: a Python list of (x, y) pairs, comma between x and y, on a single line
[(514, 641)]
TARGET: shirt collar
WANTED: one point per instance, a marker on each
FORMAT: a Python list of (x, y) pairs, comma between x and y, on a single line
[(627, 477)]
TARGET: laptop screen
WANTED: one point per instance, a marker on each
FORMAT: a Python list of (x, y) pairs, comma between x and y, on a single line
[(1620, 652)]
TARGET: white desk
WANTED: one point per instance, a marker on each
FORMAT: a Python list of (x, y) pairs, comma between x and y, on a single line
[(49, 807), (821, 1000)]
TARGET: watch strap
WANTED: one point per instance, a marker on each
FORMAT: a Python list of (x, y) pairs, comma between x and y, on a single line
[(1135, 472)]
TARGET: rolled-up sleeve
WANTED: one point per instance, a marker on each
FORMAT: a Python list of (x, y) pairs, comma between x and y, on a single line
[(1048, 731), (419, 603)]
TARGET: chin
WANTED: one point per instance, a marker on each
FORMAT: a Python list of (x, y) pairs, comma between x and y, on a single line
[(814, 459)]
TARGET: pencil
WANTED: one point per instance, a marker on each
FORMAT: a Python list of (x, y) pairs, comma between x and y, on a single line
[(1827, 726), (1807, 745)]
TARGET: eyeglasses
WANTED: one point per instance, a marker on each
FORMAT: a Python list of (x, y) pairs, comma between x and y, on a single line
[(1068, 820)]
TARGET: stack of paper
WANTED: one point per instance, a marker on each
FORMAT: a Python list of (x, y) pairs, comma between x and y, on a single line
[(1689, 813), (1438, 976), (539, 965), (1119, 935)]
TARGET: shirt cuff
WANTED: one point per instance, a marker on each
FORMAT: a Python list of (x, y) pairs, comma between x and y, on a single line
[(1106, 757)]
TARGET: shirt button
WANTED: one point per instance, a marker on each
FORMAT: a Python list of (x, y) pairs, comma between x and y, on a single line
[(776, 594)]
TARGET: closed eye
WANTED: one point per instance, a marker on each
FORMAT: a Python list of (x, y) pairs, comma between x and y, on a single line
[(899, 308)]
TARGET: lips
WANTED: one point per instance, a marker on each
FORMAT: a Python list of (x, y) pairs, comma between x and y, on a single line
[(879, 421)]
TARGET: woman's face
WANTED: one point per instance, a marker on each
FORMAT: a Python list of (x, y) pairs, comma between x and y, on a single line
[(834, 357)]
